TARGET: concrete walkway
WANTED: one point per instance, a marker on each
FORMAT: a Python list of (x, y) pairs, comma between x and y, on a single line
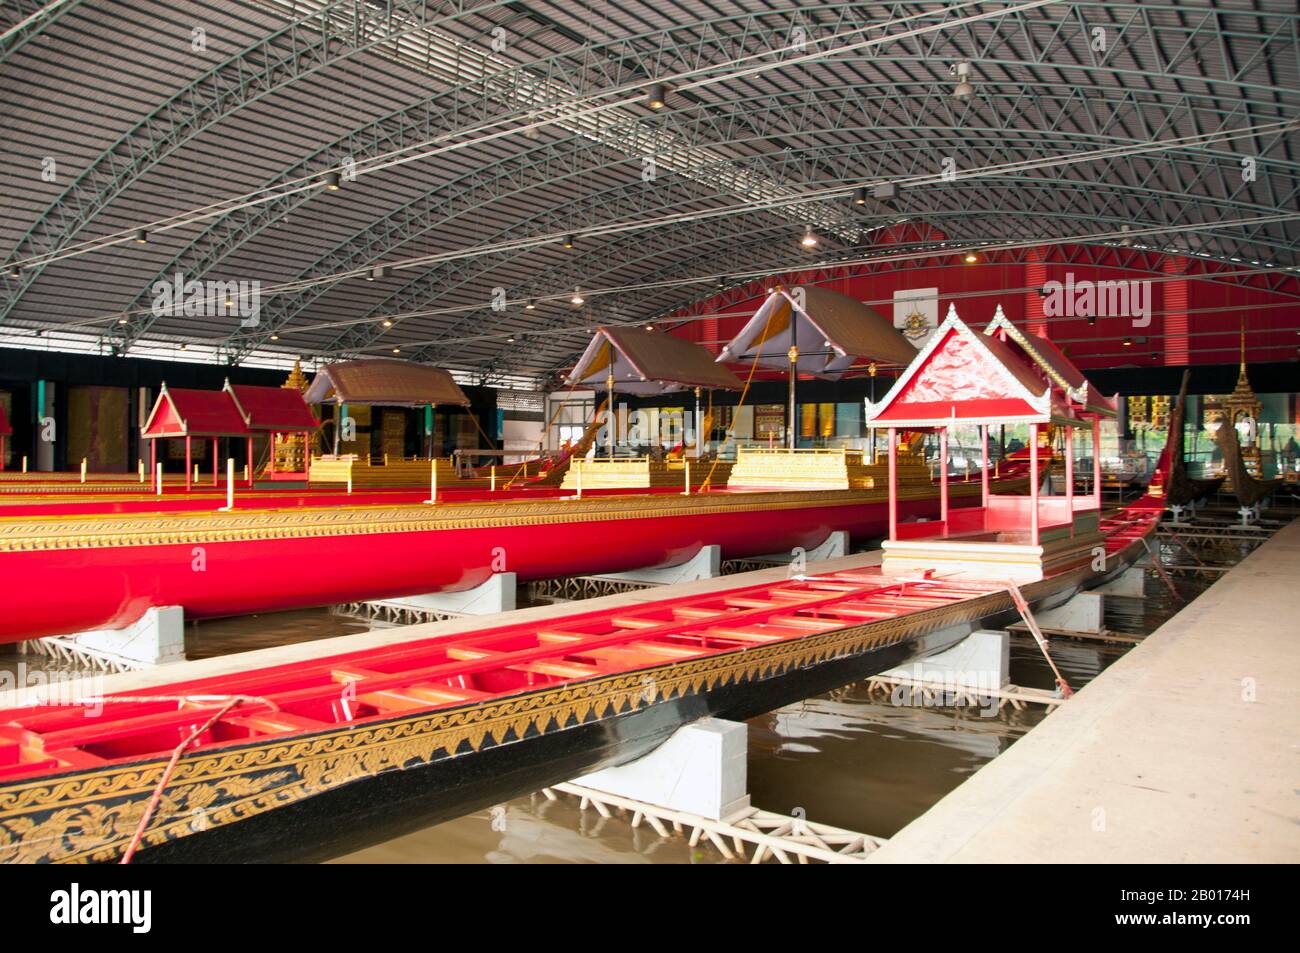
[(1183, 751)]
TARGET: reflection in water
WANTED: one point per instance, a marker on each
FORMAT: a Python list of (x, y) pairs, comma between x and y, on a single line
[(849, 758)]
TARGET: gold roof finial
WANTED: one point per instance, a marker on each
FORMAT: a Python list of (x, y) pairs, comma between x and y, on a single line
[(296, 378)]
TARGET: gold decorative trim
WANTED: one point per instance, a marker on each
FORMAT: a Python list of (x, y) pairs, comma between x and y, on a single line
[(95, 531)]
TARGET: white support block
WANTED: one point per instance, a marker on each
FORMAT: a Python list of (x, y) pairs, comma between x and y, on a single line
[(1081, 613), (706, 564), (832, 547), (981, 661), (158, 638), (1131, 582), (701, 769), (497, 594)]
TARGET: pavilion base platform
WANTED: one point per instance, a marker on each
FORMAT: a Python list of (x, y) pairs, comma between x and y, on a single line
[(158, 638), (992, 542)]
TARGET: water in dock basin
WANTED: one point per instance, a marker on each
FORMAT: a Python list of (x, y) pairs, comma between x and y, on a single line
[(850, 758)]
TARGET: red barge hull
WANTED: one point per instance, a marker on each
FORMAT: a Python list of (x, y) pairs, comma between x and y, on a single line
[(92, 572)]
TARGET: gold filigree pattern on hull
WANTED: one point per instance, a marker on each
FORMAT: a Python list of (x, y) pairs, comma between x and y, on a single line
[(19, 534)]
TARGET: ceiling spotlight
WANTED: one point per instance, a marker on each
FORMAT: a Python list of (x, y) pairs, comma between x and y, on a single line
[(332, 181), (275, 337), (568, 241), (649, 327), (397, 350), (530, 305), (963, 92), (809, 240), (577, 298), (1128, 342), (510, 340), (141, 237), (15, 271), (860, 195), (971, 258), (1092, 320), (121, 320), (229, 301), (387, 322), (657, 97)]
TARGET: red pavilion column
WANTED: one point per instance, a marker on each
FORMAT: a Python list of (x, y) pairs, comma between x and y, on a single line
[(250, 463), (1033, 484), (943, 476), (984, 465), (1069, 474), (189, 462), (893, 484), (1096, 461), (216, 475)]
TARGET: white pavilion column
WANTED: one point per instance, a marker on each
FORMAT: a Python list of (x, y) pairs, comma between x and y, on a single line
[(893, 483), (1033, 484)]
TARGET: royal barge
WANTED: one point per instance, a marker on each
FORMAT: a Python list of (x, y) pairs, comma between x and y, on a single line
[(306, 760)]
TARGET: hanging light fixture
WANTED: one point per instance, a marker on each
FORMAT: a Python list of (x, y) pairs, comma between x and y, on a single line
[(387, 322), (568, 241), (577, 298), (1128, 342), (971, 258), (963, 92), (122, 320), (275, 337), (809, 240), (397, 350), (332, 181), (860, 195), (141, 237), (530, 305), (657, 96), (15, 271), (511, 339)]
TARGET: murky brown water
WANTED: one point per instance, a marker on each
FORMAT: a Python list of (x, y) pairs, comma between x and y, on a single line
[(850, 758)]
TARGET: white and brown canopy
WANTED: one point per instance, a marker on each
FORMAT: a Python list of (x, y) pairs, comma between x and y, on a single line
[(833, 333), (647, 363)]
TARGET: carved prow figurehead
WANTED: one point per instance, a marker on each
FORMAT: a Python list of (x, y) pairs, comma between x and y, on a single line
[(1247, 488)]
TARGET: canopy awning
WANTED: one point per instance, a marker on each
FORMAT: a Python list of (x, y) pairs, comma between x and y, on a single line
[(833, 333), (184, 412), (386, 382), (272, 409), (648, 362), (961, 377)]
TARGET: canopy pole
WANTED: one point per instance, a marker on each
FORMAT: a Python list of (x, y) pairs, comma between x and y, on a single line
[(188, 463), (609, 397), (216, 466), (943, 477), (893, 484), (251, 475), (793, 354), (1033, 484), (699, 427)]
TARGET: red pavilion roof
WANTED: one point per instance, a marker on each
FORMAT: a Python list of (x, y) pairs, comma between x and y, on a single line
[(183, 412), (964, 377), (278, 409)]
